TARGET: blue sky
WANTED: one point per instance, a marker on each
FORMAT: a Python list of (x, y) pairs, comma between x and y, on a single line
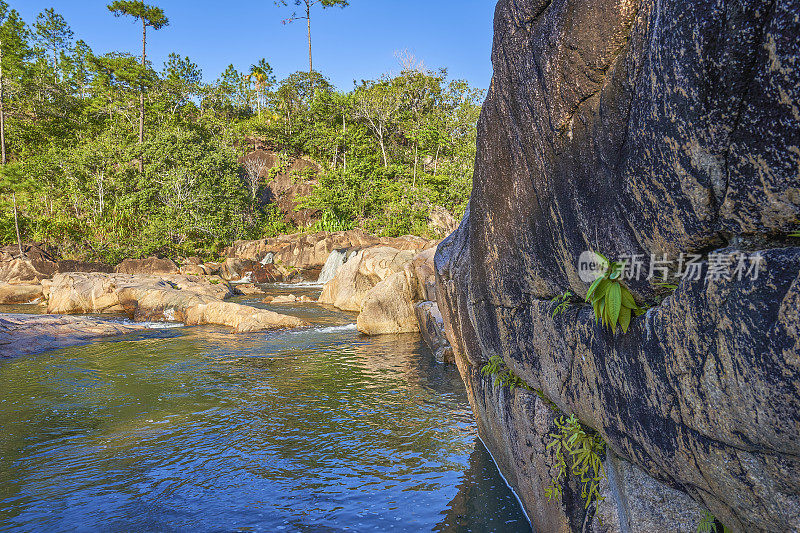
[(358, 42)]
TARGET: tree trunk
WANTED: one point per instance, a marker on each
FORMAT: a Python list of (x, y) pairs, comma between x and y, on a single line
[(308, 21), (416, 151), (2, 110), (16, 224), (436, 161), (141, 98), (344, 143), (383, 151)]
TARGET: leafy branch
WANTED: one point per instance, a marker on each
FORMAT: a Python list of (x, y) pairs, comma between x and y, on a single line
[(562, 301), (503, 375), (585, 450)]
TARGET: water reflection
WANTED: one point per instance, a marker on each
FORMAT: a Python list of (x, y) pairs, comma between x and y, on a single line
[(316, 430)]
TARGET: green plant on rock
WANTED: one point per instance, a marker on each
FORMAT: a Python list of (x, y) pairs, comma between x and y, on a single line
[(710, 524), (562, 302), (584, 449), (502, 374), (613, 303)]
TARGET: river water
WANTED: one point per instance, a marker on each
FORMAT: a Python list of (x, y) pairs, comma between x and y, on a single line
[(198, 429)]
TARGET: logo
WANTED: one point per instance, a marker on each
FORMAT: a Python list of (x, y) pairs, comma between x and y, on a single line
[(591, 266)]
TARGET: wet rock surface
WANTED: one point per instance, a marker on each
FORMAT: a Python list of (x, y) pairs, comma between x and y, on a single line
[(31, 334), (641, 128)]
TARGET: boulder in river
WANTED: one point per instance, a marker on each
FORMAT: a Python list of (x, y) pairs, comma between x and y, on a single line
[(173, 298), (360, 274), (640, 129), (242, 318), (31, 334), (388, 307), (20, 293)]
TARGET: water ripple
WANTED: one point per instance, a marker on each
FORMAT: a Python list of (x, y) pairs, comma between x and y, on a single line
[(319, 429)]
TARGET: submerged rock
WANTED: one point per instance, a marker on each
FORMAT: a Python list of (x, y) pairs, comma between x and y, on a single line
[(247, 289), (31, 334), (640, 128), (287, 299)]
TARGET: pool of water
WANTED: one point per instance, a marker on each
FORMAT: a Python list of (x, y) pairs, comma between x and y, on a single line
[(198, 429)]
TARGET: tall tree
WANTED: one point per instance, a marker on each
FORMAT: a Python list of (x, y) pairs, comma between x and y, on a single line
[(306, 6), (262, 77), (53, 34), (377, 104), (13, 51), (181, 79), (149, 16)]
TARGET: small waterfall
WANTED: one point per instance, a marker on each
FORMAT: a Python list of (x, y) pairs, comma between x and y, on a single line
[(335, 260)]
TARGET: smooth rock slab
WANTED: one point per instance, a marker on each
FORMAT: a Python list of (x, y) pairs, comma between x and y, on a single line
[(30, 334), (20, 293)]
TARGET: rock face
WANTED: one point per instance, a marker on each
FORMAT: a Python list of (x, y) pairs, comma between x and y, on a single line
[(174, 298), (640, 128), (31, 334)]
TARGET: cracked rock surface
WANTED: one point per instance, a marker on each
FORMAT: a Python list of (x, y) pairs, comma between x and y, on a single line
[(646, 128)]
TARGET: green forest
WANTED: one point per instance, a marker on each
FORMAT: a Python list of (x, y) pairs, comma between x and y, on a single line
[(107, 156)]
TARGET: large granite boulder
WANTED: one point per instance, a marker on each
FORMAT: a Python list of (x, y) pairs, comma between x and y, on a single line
[(642, 128), (361, 273), (21, 270), (20, 293), (388, 307)]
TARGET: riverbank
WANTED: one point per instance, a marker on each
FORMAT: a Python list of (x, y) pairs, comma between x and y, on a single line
[(388, 282)]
